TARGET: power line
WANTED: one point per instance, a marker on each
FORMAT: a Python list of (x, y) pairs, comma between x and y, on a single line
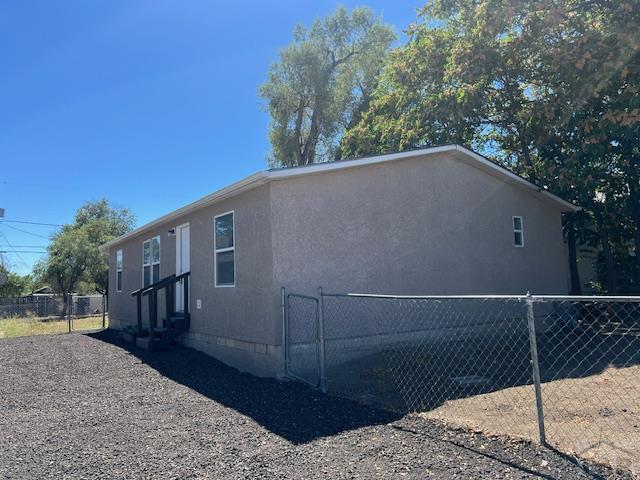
[(32, 223), (25, 231), (17, 254), (25, 246)]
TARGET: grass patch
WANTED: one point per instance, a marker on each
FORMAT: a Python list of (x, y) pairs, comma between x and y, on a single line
[(22, 327)]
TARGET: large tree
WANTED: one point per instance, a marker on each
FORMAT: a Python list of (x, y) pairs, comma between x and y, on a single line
[(321, 84), (73, 261), (13, 285), (549, 88)]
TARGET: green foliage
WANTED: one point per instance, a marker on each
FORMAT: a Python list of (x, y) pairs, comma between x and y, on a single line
[(74, 261), (321, 83), (16, 285), (550, 89)]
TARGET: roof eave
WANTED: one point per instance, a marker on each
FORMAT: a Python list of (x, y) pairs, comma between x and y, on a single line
[(247, 183), (566, 205), (263, 177)]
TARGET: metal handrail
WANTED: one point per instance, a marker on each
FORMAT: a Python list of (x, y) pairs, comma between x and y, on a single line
[(159, 283), (164, 283)]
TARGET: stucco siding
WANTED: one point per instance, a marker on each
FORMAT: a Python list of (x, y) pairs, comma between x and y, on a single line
[(243, 312), (432, 225), (421, 225)]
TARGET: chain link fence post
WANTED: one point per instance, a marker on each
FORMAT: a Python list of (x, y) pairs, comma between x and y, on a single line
[(321, 340), (69, 310), (104, 311), (535, 366)]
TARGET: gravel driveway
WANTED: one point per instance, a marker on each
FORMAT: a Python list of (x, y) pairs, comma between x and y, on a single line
[(88, 406)]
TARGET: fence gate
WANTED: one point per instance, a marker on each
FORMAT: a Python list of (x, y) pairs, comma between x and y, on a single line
[(86, 312), (301, 338)]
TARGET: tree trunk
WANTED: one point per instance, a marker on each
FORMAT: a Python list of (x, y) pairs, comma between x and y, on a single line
[(298, 130), (576, 287), (634, 208), (527, 156), (309, 151), (636, 241), (609, 263), (65, 304)]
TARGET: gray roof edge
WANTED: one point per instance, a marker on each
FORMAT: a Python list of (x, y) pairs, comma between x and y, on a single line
[(262, 177)]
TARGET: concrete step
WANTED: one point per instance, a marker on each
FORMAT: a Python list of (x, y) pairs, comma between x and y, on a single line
[(144, 342), (156, 344)]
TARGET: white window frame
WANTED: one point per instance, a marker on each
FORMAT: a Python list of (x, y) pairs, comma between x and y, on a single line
[(217, 250), (120, 256), (518, 230), (151, 262)]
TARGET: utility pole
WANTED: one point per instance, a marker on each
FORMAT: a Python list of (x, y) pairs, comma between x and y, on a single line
[(3, 276)]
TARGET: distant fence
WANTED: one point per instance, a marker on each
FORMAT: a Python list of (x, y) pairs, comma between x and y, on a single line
[(32, 306), (564, 371), (43, 314), (42, 306)]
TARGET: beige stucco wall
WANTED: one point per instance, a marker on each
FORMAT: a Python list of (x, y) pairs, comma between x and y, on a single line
[(234, 322), (433, 225)]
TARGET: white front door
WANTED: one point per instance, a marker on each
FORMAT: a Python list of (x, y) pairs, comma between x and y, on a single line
[(182, 261)]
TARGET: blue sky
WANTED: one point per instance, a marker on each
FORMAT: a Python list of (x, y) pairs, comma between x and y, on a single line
[(151, 104)]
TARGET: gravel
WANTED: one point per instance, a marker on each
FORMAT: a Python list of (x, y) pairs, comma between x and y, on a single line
[(90, 406)]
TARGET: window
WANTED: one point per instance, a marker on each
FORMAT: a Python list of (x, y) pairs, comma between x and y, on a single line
[(224, 248), (119, 271), (518, 232), (151, 261)]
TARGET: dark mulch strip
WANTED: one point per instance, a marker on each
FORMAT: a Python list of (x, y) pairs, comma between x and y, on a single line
[(89, 406)]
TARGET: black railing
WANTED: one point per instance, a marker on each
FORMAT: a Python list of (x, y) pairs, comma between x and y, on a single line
[(168, 284)]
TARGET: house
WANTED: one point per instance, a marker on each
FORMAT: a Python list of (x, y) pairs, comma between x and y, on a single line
[(46, 290), (441, 220)]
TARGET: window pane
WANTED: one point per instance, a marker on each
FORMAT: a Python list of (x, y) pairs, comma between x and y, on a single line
[(118, 280), (225, 268), (146, 253), (155, 249), (224, 231), (147, 276), (517, 238), (156, 273), (517, 223), (119, 260)]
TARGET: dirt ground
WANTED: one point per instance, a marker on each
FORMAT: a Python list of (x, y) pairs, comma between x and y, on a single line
[(596, 417), (590, 389), (90, 406)]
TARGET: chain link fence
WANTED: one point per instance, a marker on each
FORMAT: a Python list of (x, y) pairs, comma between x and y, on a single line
[(301, 346), (561, 370), (41, 314), (32, 306)]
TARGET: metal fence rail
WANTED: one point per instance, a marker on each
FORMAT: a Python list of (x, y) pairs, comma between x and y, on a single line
[(43, 313), (555, 369), (32, 306)]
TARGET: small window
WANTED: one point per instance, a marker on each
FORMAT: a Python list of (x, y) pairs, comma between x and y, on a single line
[(518, 232), (224, 248), (119, 271), (151, 261)]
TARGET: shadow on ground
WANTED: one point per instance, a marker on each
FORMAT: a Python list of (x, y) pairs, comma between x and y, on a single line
[(288, 409), (301, 415), (420, 377)]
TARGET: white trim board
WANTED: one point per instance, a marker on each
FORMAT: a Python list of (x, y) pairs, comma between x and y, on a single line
[(261, 178)]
